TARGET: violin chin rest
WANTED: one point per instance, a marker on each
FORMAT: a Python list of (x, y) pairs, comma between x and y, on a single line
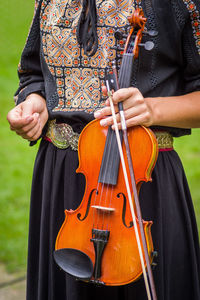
[(74, 262)]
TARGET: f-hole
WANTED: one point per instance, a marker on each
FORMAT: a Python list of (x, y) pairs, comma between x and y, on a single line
[(88, 206), (124, 211)]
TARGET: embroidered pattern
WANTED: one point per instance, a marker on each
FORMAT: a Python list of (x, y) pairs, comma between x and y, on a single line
[(195, 21), (79, 78)]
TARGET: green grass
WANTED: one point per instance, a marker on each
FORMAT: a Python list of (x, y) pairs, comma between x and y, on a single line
[(17, 158), (188, 148)]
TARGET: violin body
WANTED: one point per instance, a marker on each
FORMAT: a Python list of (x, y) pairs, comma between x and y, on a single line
[(105, 208), (105, 240)]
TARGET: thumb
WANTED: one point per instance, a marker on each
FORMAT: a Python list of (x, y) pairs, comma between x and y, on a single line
[(27, 109)]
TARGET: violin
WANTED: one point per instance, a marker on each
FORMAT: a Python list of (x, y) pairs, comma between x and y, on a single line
[(98, 242)]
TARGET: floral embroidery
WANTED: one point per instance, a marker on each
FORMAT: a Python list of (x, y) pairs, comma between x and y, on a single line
[(195, 21), (79, 78)]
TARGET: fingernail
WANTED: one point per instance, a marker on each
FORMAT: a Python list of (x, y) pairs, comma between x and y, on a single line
[(29, 118), (97, 114), (36, 115), (103, 122)]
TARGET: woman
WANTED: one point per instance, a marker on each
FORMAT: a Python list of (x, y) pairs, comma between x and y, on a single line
[(70, 46)]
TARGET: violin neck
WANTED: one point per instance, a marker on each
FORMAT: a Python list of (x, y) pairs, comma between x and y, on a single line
[(126, 70), (110, 162)]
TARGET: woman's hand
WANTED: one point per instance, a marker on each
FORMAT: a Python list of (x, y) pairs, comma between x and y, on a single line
[(136, 109), (29, 117)]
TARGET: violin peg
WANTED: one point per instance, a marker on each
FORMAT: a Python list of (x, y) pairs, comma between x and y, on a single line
[(117, 48), (120, 49), (118, 35), (147, 46), (151, 32)]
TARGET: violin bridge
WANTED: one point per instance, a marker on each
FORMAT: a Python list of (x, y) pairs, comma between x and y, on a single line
[(103, 208)]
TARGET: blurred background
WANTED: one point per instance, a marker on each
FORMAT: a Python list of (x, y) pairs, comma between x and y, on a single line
[(17, 157)]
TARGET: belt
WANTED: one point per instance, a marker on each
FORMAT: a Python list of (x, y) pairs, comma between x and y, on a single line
[(62, 136)]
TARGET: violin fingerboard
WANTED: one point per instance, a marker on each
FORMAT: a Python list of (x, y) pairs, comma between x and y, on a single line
[(110, 162)]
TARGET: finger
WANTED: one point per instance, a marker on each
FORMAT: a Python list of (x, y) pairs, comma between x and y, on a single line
[(15, 118), (30, 135), (142, 120), (137, 120), (134, 111), (128, 114), (104, 112), (123, 94), (129, 111), (131, 103), (17, 123), (36, 136), (30, 126), (104, 90), (109, 120)]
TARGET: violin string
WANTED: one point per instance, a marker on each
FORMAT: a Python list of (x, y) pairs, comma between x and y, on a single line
[(95, 210), (107, 185), (121, 75), (100, 188), (104, 212), (94, 201), (109, 192), (110, 187), (103, 186), (110, 205), (122, 71)]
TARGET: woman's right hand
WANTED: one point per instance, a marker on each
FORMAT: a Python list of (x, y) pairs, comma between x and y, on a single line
[(28, 118)]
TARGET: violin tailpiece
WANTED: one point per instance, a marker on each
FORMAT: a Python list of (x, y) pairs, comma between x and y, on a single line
[(99, 239)]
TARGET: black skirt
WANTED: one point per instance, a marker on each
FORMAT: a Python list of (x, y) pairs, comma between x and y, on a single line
[(166, 201)]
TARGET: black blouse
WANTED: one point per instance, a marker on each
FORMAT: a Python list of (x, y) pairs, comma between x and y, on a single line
[(54, 65)]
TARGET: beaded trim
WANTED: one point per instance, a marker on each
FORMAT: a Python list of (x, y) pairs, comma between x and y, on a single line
[(63, 136), (195, 21), (164, 139)]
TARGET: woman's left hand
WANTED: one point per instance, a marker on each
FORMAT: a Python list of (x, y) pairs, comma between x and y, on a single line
[(136, 109)]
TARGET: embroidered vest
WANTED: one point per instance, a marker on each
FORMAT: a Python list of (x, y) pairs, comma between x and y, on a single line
[(79, 78)]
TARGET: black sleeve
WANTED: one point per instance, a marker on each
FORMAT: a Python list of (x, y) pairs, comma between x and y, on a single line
[(29, 70), (191, 48)]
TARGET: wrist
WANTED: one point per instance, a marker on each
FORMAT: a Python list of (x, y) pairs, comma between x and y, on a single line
[(38, 105), (152, 104), (35, 97), (37, 102)]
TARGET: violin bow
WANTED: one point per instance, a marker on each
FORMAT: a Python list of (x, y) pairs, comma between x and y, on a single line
[(150, 286), (137, 20)]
